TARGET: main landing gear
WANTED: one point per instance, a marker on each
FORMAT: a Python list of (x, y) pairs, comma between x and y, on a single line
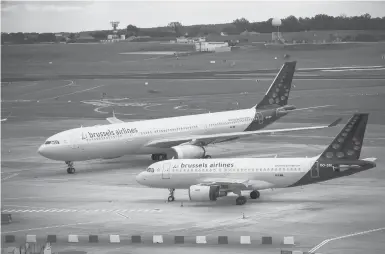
[(171, 198), (159, 157), (241, 200), (162, 157), (70, 169)]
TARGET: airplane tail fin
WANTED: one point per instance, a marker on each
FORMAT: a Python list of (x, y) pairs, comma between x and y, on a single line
[(347, 145), (278, 93)]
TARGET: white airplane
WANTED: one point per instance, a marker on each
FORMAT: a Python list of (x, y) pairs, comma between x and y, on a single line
[(179, 137), (209, 179)]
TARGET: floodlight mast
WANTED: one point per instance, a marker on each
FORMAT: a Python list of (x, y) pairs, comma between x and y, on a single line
[(114, 25)]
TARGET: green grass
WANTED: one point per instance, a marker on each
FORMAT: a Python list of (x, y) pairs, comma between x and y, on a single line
[(105, 59), (298, 36)]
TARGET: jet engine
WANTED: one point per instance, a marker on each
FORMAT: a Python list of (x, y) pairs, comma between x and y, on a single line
[(189, 152), (205, 193)]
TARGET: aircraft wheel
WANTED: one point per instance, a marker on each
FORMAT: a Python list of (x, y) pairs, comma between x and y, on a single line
[(70, 170), (171, 198), (254, 194), (241, 200), (207, 157)]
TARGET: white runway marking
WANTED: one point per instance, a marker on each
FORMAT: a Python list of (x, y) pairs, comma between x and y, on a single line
[(342, 237), (9, 177), (122, 215), (52, 88), (88, 89), (53, 210), (58, 226)]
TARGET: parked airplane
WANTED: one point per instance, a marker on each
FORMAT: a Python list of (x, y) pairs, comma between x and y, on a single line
[(179, 137), (209, 179)]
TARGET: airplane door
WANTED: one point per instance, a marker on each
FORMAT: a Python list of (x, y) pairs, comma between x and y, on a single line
[(314, 173), (260, 117), (166, 170), (74, 144)]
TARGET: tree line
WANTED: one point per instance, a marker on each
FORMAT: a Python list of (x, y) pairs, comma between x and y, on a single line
[(176, 29)]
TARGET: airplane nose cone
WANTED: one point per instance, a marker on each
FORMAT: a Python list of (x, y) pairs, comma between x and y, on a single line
[(41, 150), (140, 178), (44, 151)]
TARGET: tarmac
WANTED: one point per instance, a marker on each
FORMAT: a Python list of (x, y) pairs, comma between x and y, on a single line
[(103, 198)]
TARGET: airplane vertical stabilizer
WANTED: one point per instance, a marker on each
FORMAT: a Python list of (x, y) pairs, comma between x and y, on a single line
[(278, 93), (348, 143)]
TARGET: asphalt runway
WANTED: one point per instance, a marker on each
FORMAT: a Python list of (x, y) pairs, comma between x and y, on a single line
[(103, 197)]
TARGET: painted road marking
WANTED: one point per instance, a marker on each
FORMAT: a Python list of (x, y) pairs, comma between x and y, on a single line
[(72, 93), (58, 226), (9, 177), (342, 237), (76, 211), (122, 215)]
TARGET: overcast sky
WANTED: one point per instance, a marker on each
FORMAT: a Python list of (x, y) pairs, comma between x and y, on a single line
[(75, 16)]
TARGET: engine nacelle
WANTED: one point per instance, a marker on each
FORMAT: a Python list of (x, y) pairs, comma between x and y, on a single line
[(204, 193), (189, 152)]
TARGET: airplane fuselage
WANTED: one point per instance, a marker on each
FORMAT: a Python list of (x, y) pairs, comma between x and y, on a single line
[(253, 173), (116, 140)]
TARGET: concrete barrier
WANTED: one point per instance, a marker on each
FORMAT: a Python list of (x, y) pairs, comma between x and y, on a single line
[(93, 239), (73, 239), (114, 239), (223, 240), (245, 239), (267, 240), (179, 239), (31, 239), (136, 239), (201, 239), (10, 238), (6, 218), (288, 240), (157, 239), (51, 238)]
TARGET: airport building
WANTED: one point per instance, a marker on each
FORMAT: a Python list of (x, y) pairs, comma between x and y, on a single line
[(212, 46)]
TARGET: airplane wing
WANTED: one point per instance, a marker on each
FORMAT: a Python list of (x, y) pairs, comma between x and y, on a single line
[(236, 185), (113, 119), (203, 140)]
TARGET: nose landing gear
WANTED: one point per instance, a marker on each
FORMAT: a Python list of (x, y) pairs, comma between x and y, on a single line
[(70, 169), (171, 198)]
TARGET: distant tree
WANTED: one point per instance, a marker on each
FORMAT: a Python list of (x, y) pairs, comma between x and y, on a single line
[(100, 35), (232, 29), (72, 36), (132, 30), (290, 24), (177, 27), (194, 30), (241, 24), (46, 37)]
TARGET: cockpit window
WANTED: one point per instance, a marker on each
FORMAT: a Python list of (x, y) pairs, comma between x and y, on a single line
[(150, 170), (54, 142)]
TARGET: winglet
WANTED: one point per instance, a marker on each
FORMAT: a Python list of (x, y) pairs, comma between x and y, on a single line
[(113, 119), (335, 122)]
